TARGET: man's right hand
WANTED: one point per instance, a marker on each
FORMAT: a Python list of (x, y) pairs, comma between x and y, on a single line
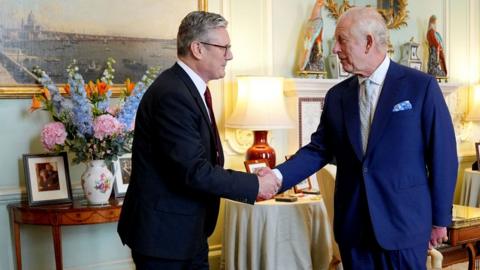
[(268, 184)]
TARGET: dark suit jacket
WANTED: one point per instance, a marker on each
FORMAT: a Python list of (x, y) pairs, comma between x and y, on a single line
[(405, 181), (172, 201)]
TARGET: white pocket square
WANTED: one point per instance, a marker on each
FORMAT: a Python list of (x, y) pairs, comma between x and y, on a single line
[(402, 106)]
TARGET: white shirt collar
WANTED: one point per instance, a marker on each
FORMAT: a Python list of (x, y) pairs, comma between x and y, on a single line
[(378, 76), (199, 83)]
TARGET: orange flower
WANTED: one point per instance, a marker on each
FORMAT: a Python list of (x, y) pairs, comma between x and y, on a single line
[(129, 87), (46, 94), (102, 88), (67, 89), (90, 88), (36, 104)]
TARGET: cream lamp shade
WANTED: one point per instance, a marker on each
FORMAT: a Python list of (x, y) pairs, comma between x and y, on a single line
[(474, 104), (260, 104), (260, 107)]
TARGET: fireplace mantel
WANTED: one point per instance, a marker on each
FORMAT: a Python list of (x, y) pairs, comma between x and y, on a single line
[(304, 99), (319, 87)]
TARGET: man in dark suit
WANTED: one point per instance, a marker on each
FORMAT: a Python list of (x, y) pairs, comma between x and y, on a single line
[(177, 179), (389, 132)]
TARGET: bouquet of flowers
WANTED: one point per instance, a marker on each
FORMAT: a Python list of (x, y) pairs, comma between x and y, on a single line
[(86, 123)]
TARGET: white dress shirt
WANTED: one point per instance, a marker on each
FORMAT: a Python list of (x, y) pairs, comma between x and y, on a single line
[(199, 82)]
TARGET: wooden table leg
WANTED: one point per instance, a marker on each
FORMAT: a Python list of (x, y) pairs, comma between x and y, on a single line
[(18, 250), (57, 244), (471, 255)]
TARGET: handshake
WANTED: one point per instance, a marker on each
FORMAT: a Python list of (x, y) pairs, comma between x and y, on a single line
[(268, 184)]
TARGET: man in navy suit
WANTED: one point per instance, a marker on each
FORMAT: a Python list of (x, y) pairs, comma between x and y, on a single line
[(389, 132), (177, 178)]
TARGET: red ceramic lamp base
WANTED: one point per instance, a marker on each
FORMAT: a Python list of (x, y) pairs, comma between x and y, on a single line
[(260, 148)]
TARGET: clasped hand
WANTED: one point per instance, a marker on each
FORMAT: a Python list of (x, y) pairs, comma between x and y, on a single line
[(268, 184)]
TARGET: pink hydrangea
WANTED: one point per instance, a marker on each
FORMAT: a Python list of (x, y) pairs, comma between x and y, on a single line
[(106, 125), (53, 133), (113, 110)]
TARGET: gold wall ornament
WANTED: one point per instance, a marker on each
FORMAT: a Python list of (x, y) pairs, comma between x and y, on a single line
[(395, 16), (336, 12)]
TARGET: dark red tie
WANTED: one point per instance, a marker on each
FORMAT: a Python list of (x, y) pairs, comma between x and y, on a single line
[(218, 145)]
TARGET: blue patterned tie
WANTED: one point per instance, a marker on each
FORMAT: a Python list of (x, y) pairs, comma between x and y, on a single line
[(365, 112)]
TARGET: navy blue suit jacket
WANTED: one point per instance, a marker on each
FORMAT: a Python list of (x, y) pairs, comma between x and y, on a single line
[(405, 181), (172, 201)]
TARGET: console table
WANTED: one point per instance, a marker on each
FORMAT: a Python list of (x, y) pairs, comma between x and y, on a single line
[(465, 231), (57, 215)]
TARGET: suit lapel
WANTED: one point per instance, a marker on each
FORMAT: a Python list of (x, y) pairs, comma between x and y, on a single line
[(386, 101), (194, 92), (352, 117)]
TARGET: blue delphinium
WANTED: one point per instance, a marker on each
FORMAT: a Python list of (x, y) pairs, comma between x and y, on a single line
[(82, 108), (129, 109), (59, 105)]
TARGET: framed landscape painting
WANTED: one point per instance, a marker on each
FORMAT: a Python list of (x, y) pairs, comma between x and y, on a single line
[(50, 34)]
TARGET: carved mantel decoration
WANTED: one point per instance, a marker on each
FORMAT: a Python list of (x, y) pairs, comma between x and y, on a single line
[(394, 11)]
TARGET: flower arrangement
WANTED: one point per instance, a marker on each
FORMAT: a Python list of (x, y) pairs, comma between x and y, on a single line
[(86, 124)]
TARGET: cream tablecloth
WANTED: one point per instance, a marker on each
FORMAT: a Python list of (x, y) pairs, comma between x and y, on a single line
[(470, 188), (276, 235)]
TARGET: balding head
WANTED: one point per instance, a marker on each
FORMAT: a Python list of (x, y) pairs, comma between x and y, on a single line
[(364, 21), (360, 40)]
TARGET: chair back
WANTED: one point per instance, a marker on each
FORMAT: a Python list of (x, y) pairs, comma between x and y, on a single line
[(434, 259)]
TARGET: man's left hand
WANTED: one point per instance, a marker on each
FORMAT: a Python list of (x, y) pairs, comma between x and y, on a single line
[(438, 236)]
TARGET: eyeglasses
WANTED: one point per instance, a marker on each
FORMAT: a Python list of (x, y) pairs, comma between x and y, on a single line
[(226, 47)]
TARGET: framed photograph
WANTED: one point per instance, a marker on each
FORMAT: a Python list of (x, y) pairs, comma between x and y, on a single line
[(51, 33), (306, 186), (47, 178), (122, 169), (252, 166), (477, 149)]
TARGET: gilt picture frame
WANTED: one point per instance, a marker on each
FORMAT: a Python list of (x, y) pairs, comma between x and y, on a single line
[(51, 33), (252, 166), (47, 178), (306, 184)]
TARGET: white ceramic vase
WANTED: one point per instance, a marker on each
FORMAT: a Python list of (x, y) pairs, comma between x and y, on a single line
[(97, 182)]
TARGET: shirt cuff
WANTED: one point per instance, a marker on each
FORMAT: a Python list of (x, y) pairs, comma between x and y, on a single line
[(278, 174)]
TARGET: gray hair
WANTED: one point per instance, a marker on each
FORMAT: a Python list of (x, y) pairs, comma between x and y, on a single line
[(195, 26), (367, 20)]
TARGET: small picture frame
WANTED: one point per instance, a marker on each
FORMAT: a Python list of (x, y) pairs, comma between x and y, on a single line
[(252, 166), (477, 149), (305, 186), (122, 168), (47, 178)]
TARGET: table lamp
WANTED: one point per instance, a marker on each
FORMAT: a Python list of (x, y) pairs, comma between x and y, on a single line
[(474, 104), (260, 107)]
